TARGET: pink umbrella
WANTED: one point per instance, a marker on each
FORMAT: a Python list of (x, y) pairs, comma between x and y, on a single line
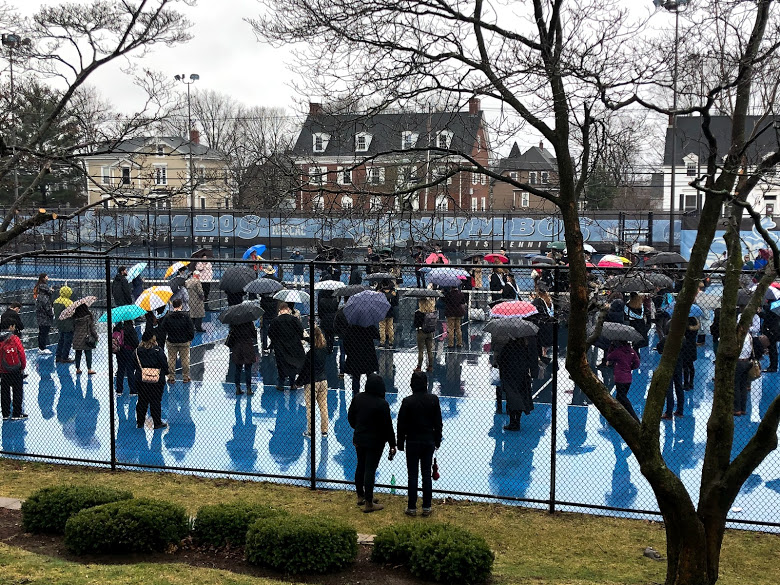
[(608, 264), (513, 309), (434, 258), (496, 258)]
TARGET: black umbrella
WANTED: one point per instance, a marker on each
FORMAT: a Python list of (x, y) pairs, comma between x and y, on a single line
[(263, 286), (619, 332), (667, 258), (632, 283), (511, 327), (203, 252), (350, 290), (381, 276), (658, 279), (236, 278), (245, 312), (423, 293), (541, 260), (743, 297)]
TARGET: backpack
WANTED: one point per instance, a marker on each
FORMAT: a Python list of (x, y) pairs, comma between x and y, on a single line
[(117, 341), (429, 322), (10, 358)]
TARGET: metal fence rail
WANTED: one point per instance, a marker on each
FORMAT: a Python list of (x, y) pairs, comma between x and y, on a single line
[(564, 457)]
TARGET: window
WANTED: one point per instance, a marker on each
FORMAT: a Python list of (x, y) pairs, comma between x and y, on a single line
[(346, 202), (408, 139), (524, 199), (513, 175), (473, 204), (406, 175), (690, 169), (227, 202), (484, 204), (375, 202), (362, 142), (375, 175), (483, 179), (160, 150), (125, 175), (439, 173), (443, 139), (690, 201), (343, 176), (545, 177), (317, 202), (105, 175), (160, 175), (203, 203), (320, 142), (202, 173), (532, 178), (474, 178), (316, 175)]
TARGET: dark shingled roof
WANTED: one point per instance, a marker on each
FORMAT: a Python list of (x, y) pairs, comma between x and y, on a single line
[(386, 130), (533, 159), (690, 138)]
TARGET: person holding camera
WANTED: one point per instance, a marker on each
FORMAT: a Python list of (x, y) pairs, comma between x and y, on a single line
[(369, 415)]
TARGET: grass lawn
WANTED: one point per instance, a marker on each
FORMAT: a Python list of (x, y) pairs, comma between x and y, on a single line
[(531, 546)]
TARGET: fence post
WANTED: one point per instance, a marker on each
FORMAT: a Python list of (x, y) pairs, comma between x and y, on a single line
[(554, 401), (110, 365), (650, 228), (312, 379)]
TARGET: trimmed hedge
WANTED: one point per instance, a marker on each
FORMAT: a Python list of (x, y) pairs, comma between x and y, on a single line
[(48, 509), (126, 527), (301, 544), (435, 551), (221, 524)]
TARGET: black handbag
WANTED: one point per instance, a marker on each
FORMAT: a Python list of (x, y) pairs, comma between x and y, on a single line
[(90, 341)]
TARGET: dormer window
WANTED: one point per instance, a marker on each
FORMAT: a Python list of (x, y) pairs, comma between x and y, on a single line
[(320, 142), (691, 165), (408, 139), (443, 139), (160, 149), (362, 141)]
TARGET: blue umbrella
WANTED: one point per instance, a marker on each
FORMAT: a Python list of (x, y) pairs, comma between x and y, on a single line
[(258, 249), (135, 271), (367, 308), (446, 276), (123, 313)]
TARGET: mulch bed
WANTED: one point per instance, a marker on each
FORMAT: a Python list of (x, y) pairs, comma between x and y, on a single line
[(363, 571)]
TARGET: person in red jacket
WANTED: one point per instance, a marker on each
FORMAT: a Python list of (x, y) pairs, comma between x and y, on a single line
[(12, 364), (624, 359)]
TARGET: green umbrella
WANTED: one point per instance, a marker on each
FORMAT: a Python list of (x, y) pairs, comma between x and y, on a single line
[(557, 246), (123, 313)]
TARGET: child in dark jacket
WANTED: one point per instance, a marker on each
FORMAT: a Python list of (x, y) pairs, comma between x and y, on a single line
[(624, 359)]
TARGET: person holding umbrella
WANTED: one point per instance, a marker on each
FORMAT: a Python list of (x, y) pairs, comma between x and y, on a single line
[(454, 311), (197, 297), (518, 364), (44, 311), (286, 334), (497, 283), (127, 340), (64, 326), (242, 341), (206, 276), (369, 416), (149, 355), (179, 288), (120, 288), (425, 320), (85, 337), (327, 307), (419, 261), (623, 359), (386, 325)]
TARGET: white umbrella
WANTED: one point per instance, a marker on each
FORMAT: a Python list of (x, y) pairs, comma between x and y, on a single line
[(328, 285), (292, 296)]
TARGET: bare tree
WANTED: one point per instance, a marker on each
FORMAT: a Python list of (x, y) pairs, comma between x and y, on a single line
[(68, 43), (559, 68)]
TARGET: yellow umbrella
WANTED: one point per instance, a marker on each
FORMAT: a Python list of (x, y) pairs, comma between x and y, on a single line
[(624, 260), (174, 268), (154, 298)]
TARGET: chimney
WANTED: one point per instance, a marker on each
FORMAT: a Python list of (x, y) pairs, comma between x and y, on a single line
[(473, 106), (541, 144), (194, 136), (315, 109)]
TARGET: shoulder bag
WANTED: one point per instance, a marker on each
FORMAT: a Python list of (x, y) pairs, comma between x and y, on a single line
[(148, 375), (754, 373)]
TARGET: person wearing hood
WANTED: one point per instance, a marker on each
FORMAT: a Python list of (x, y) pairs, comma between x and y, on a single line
[(12, 313), (518, 364), (64, 326), (624, 359), (286, 334), (179, 288), (44, 311), (369, 416), (419, 431), (120, 288), (12, 350), (84, 337)]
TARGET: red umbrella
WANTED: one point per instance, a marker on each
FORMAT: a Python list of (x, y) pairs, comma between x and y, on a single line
[(513, 309), (496, 258), (434, 258)]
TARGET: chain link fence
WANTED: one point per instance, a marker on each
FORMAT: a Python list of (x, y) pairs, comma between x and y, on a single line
[(233, 401)]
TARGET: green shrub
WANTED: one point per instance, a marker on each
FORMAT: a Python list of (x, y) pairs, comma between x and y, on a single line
[(48, 509), (220, 524), (301, 544), (394, 544), (124, 527), (453, 555)]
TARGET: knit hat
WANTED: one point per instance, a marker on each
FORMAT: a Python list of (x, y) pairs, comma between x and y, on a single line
[(375, 385), (419, 382)]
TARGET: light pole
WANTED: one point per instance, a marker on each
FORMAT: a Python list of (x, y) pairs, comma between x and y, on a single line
[(188, 82), (675, 6), (13, 41)]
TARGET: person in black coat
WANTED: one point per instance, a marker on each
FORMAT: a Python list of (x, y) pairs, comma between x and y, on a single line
[(355, 275), (242, 341), (497, 283), (688, 353), (770, 328), (286, 334), (419, 431), (150, 355), (327, 307), (369, 416), (120, 288), (518, 364), (361, 353), (544, 319), (270, 308), (12, 314), (125, 358)]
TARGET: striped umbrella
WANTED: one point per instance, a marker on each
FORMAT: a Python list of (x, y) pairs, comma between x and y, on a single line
[(174, 268), (154, 298)]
